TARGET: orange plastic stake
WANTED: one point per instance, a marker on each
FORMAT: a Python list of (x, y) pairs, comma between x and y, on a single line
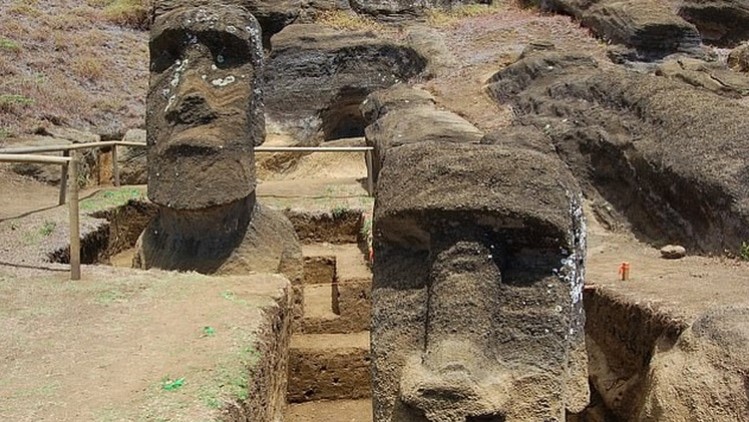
[(624, 271)]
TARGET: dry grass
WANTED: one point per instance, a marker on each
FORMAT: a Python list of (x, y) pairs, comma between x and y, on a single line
[(130, 13), (71, 62), (348, 21), (446, 17)]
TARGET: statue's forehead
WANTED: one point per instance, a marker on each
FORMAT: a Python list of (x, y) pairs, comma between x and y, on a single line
[(232, 27)]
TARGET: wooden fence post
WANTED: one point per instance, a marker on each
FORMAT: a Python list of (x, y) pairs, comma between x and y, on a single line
[(115, 166), (63, 179), (370, 171), (75, 230)]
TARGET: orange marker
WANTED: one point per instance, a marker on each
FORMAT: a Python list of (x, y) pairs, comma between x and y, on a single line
[(624, 271)]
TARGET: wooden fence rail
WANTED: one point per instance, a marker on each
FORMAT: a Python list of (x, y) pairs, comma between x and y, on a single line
[(65, 149), (69, 176), (69, 164)]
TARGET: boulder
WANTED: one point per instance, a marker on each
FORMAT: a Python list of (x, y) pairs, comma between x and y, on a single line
[(721, 22), (673, 252), (670, 158), (738, 59), (477, 289), (316, 77), (712, 76)]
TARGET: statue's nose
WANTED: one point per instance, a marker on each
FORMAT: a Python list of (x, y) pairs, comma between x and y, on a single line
[(448, 388), (190, 108)]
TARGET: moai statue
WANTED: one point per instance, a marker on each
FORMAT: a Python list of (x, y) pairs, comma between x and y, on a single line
[(478, 282), (205, 116)]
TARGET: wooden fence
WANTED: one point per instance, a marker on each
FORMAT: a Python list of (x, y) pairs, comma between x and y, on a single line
[(69, 176)]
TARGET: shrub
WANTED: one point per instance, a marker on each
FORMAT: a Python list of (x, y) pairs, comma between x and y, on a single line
[(744, 251)]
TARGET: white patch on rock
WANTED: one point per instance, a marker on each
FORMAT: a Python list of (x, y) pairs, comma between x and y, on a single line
[(224, 82)]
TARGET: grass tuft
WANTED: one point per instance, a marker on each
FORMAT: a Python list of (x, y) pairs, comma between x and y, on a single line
[(9, 45), (445, 17), (10, 103), (341, 20), (128, 13), (744, 251)]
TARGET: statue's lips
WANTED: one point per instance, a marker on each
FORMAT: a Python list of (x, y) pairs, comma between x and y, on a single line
[(198, 142)]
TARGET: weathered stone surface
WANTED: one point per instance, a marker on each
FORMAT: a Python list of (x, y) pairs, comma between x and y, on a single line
[(431, 44), (50, 174), (703, 376), (708, 75), (205, 110), (670, 158), (132, 160), (722, 22), (477, 310), (73, 135), (397, 97), (673, 252), (650, 27), (738, 59), (273, 15), (416, 120), (316, 77), (400, 9)]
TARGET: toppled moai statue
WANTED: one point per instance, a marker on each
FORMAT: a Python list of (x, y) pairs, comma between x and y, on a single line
[(668, 159), (704, 375), (478, 281), (205, 116)]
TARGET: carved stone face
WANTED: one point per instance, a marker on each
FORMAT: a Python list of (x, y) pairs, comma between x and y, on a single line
[(205, 110), (476, 295)]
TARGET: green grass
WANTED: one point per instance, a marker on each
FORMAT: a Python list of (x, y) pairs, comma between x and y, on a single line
[(9, 45), (10, 102), (107, 199), (47, 228), (744, 251)]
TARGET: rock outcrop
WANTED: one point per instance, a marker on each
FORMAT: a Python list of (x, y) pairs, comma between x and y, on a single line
[(670, 158), (477, 294), (721, 22), (316, 77)]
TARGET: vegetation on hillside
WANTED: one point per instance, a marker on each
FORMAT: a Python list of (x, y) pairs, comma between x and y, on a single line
[(80, 63)]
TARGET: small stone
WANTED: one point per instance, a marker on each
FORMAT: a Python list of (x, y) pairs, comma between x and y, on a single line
[(673, 252)]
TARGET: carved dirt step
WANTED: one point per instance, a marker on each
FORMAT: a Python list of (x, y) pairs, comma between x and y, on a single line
[(329, 367), (327, 411)]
